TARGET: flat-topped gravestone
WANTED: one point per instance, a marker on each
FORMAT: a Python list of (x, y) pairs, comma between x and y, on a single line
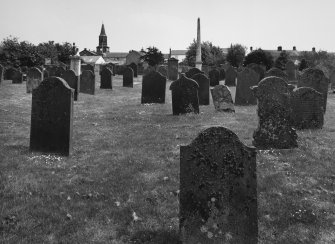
[(192, 72), (184, 96), (222, 99), (276, 72), (52, 117), (290, 70), (17, 77), (246, 79), (87, 82), (315, 79), (153, 88), (106, 78), (258, 69), (133, 66), (72, 80), (218, 190), (214, 77), (173, 66), (274, 128), (2, 71), (128, 77), (203, 92), (222, 75), (307, 108), (231, 75), (34, 78), (162, 69)]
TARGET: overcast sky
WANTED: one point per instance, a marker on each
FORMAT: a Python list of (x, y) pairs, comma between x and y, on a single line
[(133, 24)]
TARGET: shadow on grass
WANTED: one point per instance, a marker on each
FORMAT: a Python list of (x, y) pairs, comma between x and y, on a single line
[(155, 237)]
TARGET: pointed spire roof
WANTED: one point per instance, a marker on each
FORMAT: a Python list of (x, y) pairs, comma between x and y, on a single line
[(102, 32)]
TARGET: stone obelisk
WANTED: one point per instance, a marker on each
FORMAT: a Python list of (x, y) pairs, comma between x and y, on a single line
[(198, 62)]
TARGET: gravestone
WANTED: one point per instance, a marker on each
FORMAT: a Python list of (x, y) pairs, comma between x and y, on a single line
[(106, 78), (332, 80), (230, 76), (276, 72), (133, 66), (184, 69), (290, 70), (307, 108), (17, 77), (246, 79), (45, 74), (2, 71), (72, 80), (87, 82), (53, 71), (128, 77), (162, 69), (153, 88), (222, 99), (222, 75), (315, 78), (172, 69), (203, 92), (184, 96), (260, 70), (192, 72), (274, 127), (60, 71), (206, 69), (52, 117), (34, 78), (214, 77), (8, 73), (112, 67), (87, 67), (218, 190)]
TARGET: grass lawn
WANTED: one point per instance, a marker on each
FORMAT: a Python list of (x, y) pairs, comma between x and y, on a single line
[(120, 185)]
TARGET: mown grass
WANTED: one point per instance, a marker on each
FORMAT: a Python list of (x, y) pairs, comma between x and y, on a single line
[(120, 185)]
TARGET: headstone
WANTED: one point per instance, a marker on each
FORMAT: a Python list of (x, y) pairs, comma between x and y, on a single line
[(315, 79), (246, 79), (128, 77), (276, 72), (53, 71), (60, 71), (106, 78), (259, 69), (307, 108), (2, 71), (214, 77), (45, 74), (290, 70), (203, 92), (184, 96), (222, 99), (206, 69), (332, 80), (34, 78), (17, 77), (72, 80), (222, 74), (8, 73), (218, 190), (133, 66), (162, 69), (112, 67), (87, 82), (173, 69), (153, 88), (192, 72), (184, 69), (274, 128), (230, 76), (87, 67), (52, 117)]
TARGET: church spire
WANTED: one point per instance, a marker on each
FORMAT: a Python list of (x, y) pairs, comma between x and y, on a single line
[(102, 32)]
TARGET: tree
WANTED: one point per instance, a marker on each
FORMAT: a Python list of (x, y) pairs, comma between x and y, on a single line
[(64, 51), (259, 57), (153, 56), (236, 54), (281, 61)]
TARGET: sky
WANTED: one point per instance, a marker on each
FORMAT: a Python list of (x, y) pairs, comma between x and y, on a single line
[(133, 24)]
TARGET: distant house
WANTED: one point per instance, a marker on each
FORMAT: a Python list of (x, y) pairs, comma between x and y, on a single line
[(134, 57), (86, 52), (93, 60), (119, 58)]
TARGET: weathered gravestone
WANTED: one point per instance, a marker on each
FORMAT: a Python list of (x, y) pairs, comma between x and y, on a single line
[(222, 99), (260, 70), (230, 79), (34, 78), (218, 190), (153, 88), (52, 117), (2, 71), (133, 66), (274, 128), (184, 96), (203, 92), (307, 108), (162, 69), (87, 67), (106, 78), (128, 77), (192, 72), (315, 79), (8, 73), (17, 77), (222, 75), (60, 71), (276, 72), (52, 70), (332, 80), (173, 69), (72, 80), (87, 82), (246, 79), (290, 70), (214, 77)]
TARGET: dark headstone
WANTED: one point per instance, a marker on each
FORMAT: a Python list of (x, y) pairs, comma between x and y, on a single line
[(87, 82), (258, 69), (222, 99), (53, 71), (206, 69), (73, 81), (153, 88), (172, 69), (112, 67), (192, 72), (128, 77), (45, 74), (52, 117), (17, 77), (8, 73), (332, 80), (60, 71), (222, 74), (162, 69), (133, 66), (2, 71), (276, 72), (203, 92), (87, 67), (307, 108), (231, 75), (246, 79), (274, 128), (290, 70), (106, 78), (184, 96), (34, 78), (214, 77), (218, 190)]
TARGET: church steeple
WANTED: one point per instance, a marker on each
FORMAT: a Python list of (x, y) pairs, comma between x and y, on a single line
[(102, 48), (102, 32)]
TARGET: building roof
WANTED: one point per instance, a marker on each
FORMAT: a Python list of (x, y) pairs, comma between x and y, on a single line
[(178, 52), (102, 32), (115, 55), (92, 59), (85, 52)]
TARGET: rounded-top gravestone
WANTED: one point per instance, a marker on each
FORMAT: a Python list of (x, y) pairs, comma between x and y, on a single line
[(222, 99), (34, 78), (246, 79), (128, 77), (258, 69), (106, 78), (191, 72), (87, 82), (72, 80), (276, 72), (133, 66)]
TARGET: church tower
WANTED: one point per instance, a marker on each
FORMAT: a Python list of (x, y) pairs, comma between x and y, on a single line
[(102, 48)]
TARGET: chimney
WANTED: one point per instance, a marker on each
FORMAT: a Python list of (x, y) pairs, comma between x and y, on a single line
[(279, 49), (313, 49), (294, 48), (250, 49)]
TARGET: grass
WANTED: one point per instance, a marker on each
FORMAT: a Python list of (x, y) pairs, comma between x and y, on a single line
[(120, 185)]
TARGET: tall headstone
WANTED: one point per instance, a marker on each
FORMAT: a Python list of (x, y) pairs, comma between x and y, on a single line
[(2, 71), (332, 80), (193, 71), (87, 82), (307, 108), (214, 77), (72, 80), (17, 77), (106, 78), (222, 99), (198, 61), (34, 78), (260, 70), (290, 70), (246, 79), (162, 69), (203, 92), (153, 88), (230, 76), (45, 74), (128, 77), (222, 74), (52, 117), (274, 128), (218, 189), (276, 72), (184, 96), (173, 69), (8, 73), (133, 66), (87, 67)]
